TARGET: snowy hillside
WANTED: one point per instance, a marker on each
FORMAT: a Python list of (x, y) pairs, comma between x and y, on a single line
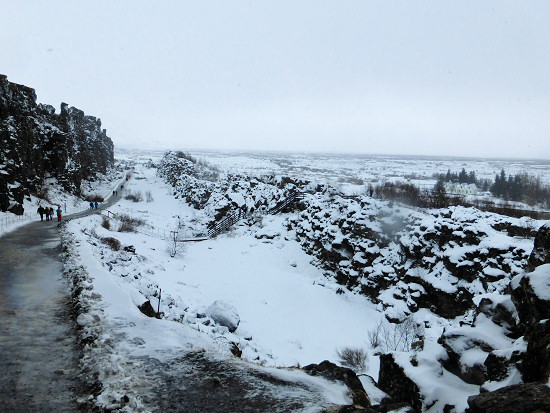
[(424, 294)]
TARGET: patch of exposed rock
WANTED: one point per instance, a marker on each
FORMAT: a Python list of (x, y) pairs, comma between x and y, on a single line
[(531, 295), (439, 260), (331, 371), (521, 398), (397, 384), (541, 250)]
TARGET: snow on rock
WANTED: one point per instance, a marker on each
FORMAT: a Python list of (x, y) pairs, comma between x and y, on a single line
[(333, 372), (540, 282), (202, 186), (531, 296), (309, 282), (541, 250), (454, 254), (521, 398), (224, 314)]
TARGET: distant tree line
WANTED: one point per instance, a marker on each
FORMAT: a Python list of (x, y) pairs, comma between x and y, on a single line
[(411, 194), (464, 177), (521, 187)]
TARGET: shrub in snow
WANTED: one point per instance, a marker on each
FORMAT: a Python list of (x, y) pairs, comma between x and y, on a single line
[(111, 242), (105, 223), (396, 337), (353, 357), (224, 314), (134, 196), (129, 223)]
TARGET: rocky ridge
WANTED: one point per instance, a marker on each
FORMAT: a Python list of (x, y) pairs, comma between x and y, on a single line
[(458, 268), (39, 147)]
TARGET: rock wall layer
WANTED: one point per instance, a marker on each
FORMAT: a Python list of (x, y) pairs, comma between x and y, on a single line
[(36, 143)]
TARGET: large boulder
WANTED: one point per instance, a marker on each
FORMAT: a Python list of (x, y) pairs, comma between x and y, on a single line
[(541, 250), (393, 380), (224, 314), (347, 376), (531, 295), (521, 398)]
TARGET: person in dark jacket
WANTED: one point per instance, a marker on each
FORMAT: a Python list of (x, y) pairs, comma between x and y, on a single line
[(95, 205), (41, 212)]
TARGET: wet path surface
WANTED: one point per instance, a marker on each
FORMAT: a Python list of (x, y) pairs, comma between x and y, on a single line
[(194, 383), (38, 351), (39, 354)]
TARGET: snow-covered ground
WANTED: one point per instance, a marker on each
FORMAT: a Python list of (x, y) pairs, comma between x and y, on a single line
[(290, 314)]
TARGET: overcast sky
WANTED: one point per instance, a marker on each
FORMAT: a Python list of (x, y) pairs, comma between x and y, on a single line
[(394, 77)]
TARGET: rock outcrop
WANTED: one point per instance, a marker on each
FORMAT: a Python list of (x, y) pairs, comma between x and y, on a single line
[(36, 143), (395, 382), (437, 260), (521, 398), (541, 250), (331, 371), (531, 295)]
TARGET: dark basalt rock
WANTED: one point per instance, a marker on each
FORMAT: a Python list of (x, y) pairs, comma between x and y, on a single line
[(535, 365), (541, 249), (531, 308), (533, 312), (333, 372), (393, 380), (499, 313), (475, 374), (36, 143), (442, 303), (521, 398), (496, 367), (147, 309)]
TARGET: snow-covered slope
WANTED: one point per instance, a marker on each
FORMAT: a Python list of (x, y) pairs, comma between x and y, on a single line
[(300, 286)]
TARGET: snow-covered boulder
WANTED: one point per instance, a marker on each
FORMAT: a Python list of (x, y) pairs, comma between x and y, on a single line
[(531, 295), (224, 314), (521, 398), (541, 250), (394, 381), (331, 371), (408, 259)]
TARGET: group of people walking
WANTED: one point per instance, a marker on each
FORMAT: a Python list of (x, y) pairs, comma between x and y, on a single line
[(48, 213)]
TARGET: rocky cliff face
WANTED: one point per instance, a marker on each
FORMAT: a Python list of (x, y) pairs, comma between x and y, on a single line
[(36, 143), (531, 296), (438, 260)]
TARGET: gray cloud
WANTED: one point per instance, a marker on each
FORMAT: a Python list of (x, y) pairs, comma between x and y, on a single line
[(429, 77)]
